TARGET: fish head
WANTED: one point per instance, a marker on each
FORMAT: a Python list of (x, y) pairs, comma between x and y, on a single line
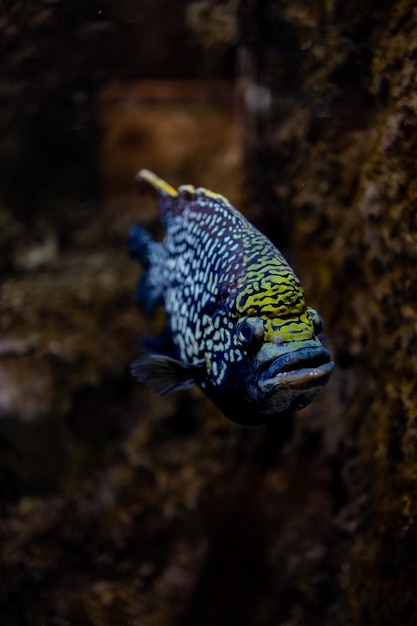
[(292, 365), (282, 367), (282, 361)]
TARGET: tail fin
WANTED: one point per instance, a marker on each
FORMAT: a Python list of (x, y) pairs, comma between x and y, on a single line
[(140, 244)]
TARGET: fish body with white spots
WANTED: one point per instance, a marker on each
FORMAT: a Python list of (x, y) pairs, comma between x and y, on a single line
[(237, 322)]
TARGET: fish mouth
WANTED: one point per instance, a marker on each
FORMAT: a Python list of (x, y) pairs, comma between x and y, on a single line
[(302, 369)]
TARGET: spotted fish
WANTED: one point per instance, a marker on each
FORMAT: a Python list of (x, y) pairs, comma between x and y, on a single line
[(237, 322)]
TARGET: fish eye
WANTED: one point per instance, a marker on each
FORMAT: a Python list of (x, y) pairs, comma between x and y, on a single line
[(250, 330), (316, 319)]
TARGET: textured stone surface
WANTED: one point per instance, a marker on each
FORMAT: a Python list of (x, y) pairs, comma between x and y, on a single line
[(338, 144)]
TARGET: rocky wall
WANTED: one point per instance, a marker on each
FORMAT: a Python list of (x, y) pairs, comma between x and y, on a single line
[(334, 158)]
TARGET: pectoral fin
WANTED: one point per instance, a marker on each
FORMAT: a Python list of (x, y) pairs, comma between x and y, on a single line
[(165, 375)]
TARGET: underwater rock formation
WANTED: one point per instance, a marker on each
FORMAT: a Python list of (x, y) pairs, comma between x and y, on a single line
[(337, 152)]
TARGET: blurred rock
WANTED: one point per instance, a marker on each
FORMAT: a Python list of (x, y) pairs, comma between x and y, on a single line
[(37, 255), (186, 131)]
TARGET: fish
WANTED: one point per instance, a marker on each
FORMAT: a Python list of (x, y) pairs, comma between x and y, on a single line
[(237, 323)]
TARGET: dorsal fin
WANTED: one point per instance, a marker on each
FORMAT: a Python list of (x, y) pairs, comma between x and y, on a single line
[(171, 201), (166, 195), (189, 192), (147, 181)]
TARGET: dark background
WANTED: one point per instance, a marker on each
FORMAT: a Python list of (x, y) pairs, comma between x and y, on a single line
[(122, 508)]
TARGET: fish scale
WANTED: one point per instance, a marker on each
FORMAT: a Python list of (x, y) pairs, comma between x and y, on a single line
[(234, 308)]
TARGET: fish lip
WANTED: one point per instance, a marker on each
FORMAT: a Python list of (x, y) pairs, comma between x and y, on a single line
[(303, 368)]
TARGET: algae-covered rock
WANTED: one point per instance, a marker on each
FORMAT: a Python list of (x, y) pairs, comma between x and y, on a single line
[(339, 139)]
